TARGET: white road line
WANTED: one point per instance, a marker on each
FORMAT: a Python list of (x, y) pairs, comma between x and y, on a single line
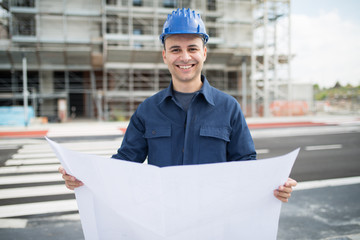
[(20, 141), (38, 208), (31, 161), (32, 151), (262, 151), (8, 147), (76, 148), (64, 133), (52, 155), (327, 183), (34, 191), (34, 155), (30, 178), (13, 223), (69, 217), (45, 145), (28, 169), (323, 147)]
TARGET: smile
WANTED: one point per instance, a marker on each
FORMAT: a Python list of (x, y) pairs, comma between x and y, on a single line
[(185, 66)]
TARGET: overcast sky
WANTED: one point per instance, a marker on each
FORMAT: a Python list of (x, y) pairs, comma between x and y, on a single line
[(326, 41)]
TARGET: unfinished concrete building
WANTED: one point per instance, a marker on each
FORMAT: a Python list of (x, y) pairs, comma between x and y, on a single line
[(103, 57)]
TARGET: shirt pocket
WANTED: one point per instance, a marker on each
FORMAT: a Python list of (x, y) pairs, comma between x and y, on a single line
[(159, 145), (216, 132), (157, 132), (213, 144)]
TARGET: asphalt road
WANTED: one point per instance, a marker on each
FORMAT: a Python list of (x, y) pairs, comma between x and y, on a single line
[(324, 156), (7, 151), (320, 213)]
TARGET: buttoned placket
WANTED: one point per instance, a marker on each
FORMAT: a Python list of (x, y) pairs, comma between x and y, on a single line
[(184, 124), (189, 121), (189, 117)]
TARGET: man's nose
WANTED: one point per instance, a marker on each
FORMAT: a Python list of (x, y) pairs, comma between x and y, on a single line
[(185, 56)]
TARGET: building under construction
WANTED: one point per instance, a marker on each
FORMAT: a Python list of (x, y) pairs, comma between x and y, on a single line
[(101, 58)]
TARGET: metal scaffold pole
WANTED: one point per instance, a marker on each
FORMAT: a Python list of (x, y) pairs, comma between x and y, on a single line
[(266, 63), (253, 65), (25, 91), (289, 60), (270, 56)]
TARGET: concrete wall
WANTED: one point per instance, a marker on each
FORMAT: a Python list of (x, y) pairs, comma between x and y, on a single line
[(46, 83)]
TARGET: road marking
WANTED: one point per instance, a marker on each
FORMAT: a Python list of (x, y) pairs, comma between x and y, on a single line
[(33, 155), (113, 145), (31, 161), (28, 169), (108, 152), (262, 151), (69, 217), (9, 147), (13, 223), (38, 208), (30, 178), (327, 183), (34, 191), (323, 147)]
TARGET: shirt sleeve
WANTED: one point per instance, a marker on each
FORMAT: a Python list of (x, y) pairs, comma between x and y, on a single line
[(241, 145), (134, 145)]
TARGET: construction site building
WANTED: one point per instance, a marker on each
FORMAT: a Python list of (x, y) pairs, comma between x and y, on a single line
[(102, 58)]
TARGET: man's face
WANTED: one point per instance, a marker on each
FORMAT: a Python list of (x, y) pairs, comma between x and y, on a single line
[(185, 55)]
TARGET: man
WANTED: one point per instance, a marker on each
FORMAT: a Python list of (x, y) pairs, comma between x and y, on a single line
[(190, 122)]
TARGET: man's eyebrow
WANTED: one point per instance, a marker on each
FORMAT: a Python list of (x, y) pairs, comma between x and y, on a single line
[(194, 45), (190, 46), (173, 47)]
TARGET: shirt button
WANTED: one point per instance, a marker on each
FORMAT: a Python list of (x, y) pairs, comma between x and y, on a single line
[(153, 132), (182, 150)]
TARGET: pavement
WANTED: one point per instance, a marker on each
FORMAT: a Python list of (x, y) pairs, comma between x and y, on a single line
[(98, 128)]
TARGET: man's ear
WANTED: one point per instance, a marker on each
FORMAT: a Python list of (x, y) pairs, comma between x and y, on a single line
[(163, 55), (205, 53)]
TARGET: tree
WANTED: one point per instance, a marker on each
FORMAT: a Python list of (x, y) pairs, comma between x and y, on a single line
[(337, 85), (316, 87)]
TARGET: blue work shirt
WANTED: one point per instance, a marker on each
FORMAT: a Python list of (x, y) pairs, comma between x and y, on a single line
[(213, 129)]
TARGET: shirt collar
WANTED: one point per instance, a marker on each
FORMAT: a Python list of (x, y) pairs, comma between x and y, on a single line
[(205, 91)]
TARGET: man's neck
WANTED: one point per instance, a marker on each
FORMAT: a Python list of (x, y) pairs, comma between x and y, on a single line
[(187, 87)]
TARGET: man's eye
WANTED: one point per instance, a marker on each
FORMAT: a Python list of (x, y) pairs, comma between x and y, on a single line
[(193, 49), (175, 50)]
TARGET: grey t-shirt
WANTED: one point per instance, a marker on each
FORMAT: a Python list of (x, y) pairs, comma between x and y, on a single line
[(184, 98)]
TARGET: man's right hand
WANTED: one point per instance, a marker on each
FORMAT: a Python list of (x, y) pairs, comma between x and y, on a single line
[(70, 181)]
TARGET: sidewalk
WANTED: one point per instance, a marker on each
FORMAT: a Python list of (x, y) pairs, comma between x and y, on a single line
[(95, 128)]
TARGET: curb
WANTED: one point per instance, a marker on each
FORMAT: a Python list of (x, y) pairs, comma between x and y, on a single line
[(29, 133), (285, 124)]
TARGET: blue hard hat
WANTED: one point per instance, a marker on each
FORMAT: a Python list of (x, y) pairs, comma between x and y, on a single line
[(184, 21)]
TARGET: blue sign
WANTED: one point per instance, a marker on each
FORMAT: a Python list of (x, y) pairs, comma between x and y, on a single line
[(14, 116)]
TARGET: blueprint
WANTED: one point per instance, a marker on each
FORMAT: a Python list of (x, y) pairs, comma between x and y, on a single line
[(219, 201)]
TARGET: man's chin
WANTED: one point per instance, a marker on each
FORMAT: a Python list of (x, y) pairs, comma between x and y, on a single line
[(185, 78)]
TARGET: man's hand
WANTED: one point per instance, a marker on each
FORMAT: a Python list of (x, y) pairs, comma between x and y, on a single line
[(283, 193), (70, 181)]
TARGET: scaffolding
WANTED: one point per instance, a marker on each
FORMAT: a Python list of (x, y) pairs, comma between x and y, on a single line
[(104, 56), (270, 55)]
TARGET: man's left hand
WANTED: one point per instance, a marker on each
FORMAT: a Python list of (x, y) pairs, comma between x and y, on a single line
[(283, 193)]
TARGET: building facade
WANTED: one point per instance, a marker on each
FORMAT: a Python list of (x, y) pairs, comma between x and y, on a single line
[(103, 57)]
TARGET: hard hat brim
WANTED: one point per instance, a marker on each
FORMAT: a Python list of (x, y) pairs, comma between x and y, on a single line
[(163, 36)]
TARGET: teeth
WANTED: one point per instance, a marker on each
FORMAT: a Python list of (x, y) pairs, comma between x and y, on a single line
[(185, 67)]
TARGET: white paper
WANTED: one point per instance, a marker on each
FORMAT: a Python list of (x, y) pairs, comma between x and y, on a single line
[(126, 200)]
